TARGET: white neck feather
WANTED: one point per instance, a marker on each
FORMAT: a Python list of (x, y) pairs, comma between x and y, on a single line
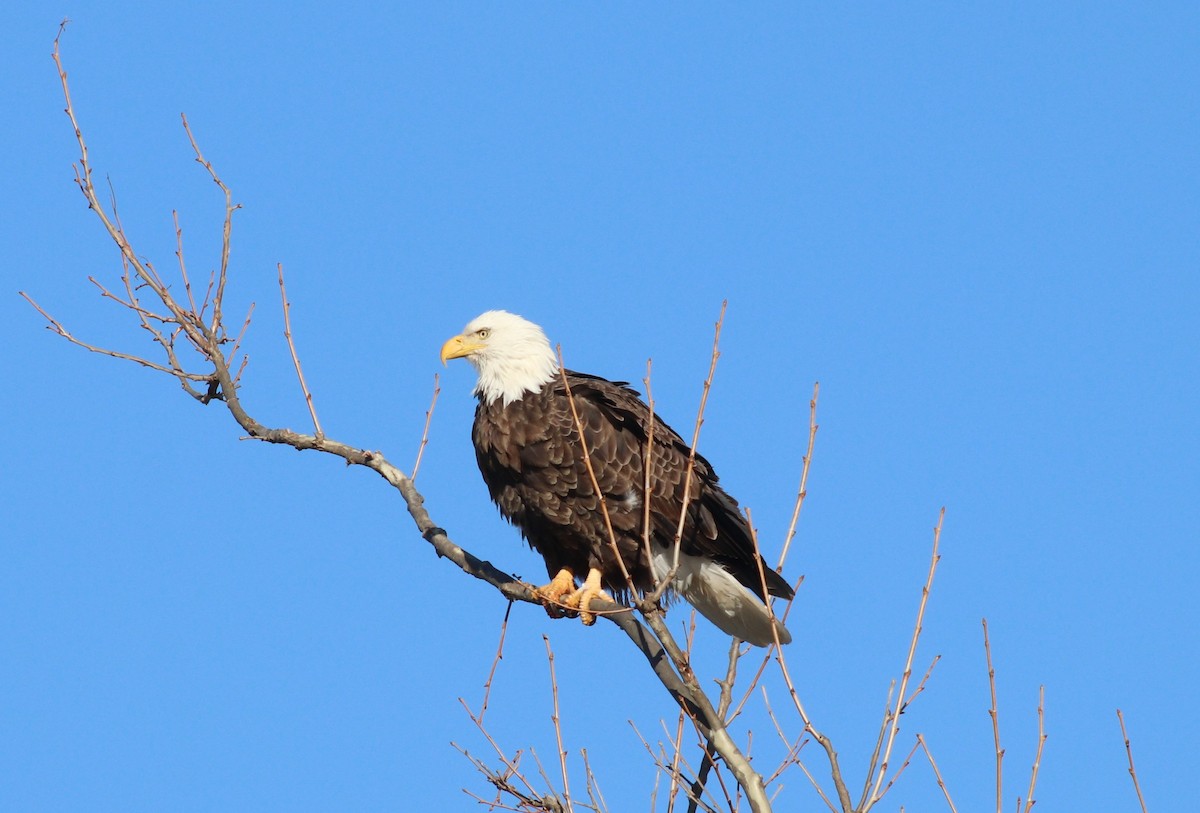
[(516, 359), (511, 378)]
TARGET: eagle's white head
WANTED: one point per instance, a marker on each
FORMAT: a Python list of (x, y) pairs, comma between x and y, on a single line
[(512, 355)]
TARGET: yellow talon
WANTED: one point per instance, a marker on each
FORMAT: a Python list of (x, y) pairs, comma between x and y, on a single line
[(582, 598), (560, 597), (555, 596)]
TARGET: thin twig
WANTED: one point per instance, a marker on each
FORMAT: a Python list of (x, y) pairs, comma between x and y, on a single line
[(541, 769), (768, 654), (690, 470), (437, 389), (894, 726), (595, 796), (802, 492), (131, 303), (724, 700), (883, 728), (528, 801), (236, 381), (512, 765), (562, 751), (237, 343), (487, 685), (920, 686), (663, 764), (226, 233), (1037, 760), (287, 334), (183, 274), (994, 713), (812, 779), (788, 744), (58, 328), (896, 776), (648, 467), (938, 774), (595, 482), (1129, 753), (879, 739), (208, 293), (677, 747), (835, 769), (761, 563)]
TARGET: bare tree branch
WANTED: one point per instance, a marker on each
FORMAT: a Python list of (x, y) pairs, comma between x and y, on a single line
[(226, 234), (556, 719), (437, 389), (839, 781), (802, 492), (1037, 760), (1129, 754), (994, 713), (57, 327), (941, 783), (287, 324), (665, 582), (487, 685), (595, 797), (892, 719)]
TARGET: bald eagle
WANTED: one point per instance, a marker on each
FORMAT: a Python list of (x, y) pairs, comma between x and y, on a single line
[(527, 445)]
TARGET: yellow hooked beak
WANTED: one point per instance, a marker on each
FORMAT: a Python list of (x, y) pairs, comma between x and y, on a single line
[(460, 346)]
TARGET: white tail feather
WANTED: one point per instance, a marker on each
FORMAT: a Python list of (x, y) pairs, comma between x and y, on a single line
[(722, 599)]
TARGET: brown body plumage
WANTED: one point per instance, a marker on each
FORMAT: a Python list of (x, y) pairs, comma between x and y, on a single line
[(528, 447)]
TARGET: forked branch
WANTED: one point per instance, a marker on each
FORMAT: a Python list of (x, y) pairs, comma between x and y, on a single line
[(891, 719)]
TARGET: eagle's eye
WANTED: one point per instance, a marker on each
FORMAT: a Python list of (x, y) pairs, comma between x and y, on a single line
[(482, 332)]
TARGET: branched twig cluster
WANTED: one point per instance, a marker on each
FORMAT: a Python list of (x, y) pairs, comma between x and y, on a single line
[(200, 327), (994, 714), (515, 788), (210, 376)]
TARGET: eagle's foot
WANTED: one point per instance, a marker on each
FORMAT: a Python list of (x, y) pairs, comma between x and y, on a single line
[(562, 599), (556, 595), (582, 598)]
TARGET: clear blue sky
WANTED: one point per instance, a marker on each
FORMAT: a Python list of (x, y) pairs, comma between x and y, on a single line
[(975, 226)]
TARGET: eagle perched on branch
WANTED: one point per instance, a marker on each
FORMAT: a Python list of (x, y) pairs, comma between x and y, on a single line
[(527, 444)]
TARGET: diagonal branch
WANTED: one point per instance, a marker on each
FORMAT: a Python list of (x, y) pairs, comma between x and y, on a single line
[(938, 774), (802, 492), (1129, 753), (226, 232), (892, 718), (690, 470), (58, 328), (287, 334), (1037, 759), (437, 390)]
